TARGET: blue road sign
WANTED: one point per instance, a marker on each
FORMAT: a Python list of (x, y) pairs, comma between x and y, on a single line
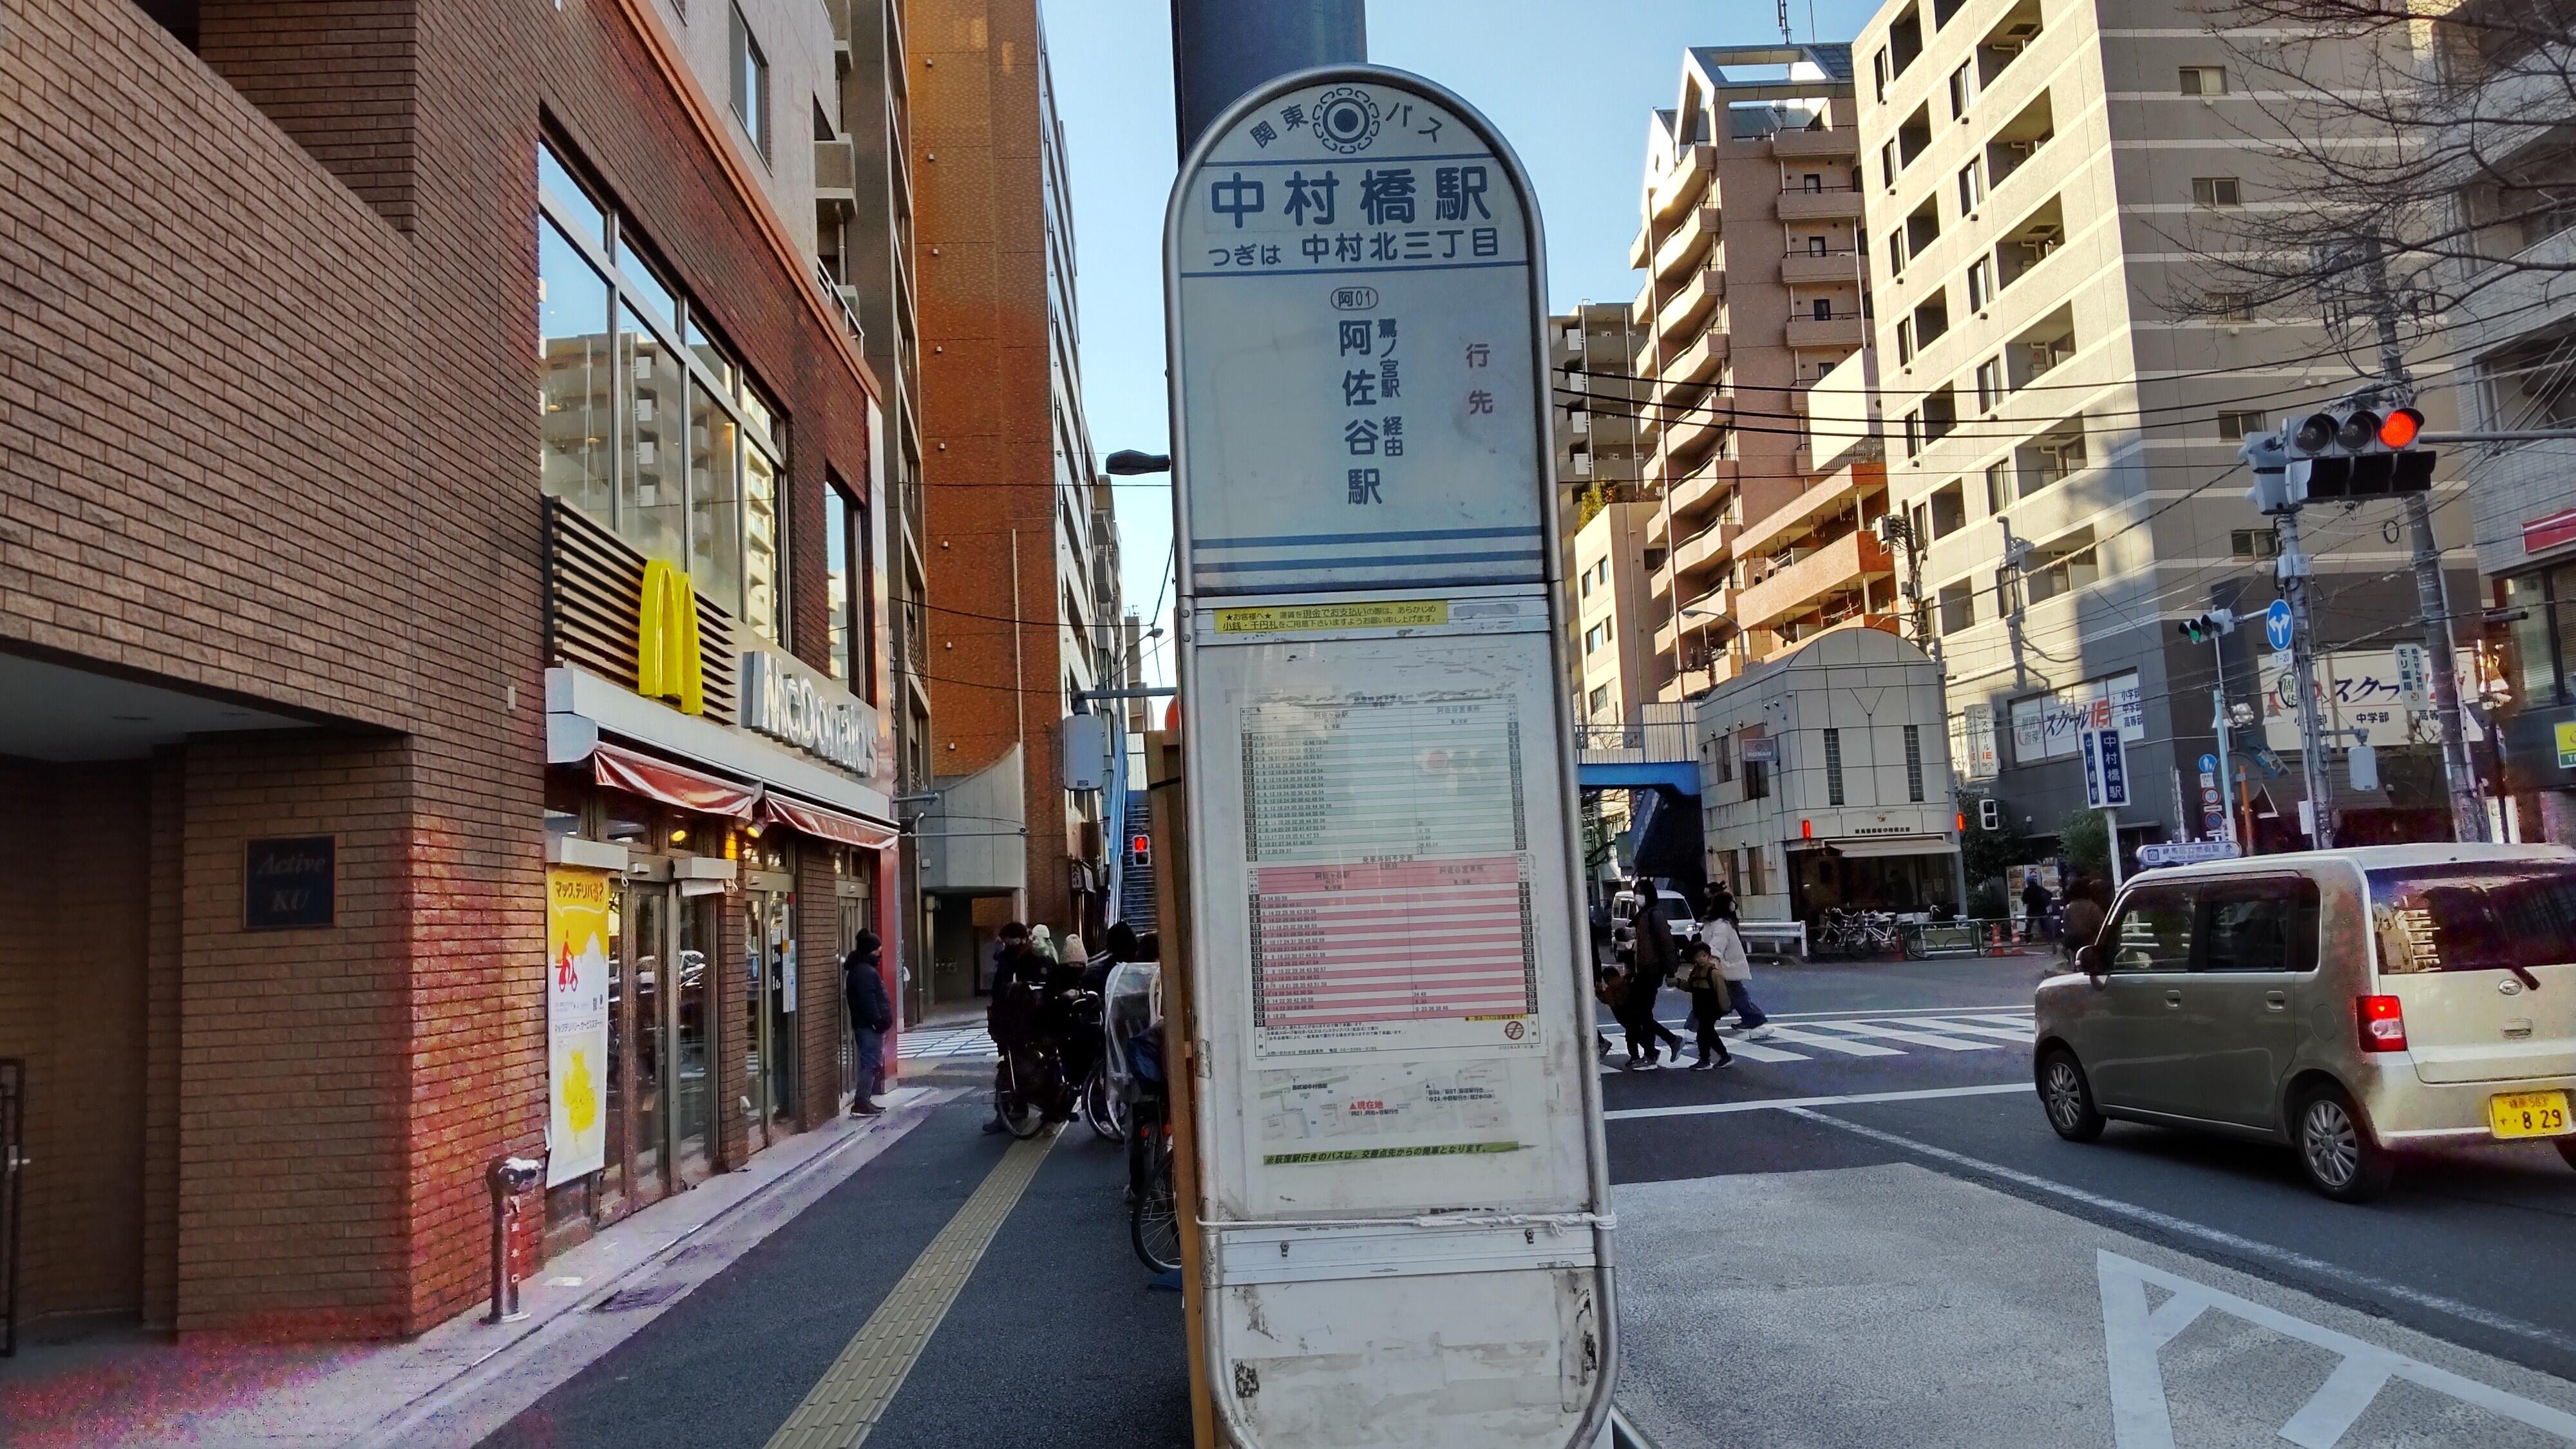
[(2276, 624), (2106, 770), (2208, 764)]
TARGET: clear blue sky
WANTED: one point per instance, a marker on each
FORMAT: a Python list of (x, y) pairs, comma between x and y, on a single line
[(1569, 82)]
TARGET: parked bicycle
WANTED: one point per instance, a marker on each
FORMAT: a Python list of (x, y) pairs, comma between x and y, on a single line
[(1857, 933)]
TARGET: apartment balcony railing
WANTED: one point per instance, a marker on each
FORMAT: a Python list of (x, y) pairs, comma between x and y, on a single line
[(1837, 493), (1682, 184), (1820, 268), (1685, 307), (1815, 145), (1649, 742), (1707, 483), (1695, 364), (1687, 241), (1837, 567), (1830, 204), (1840, 330)]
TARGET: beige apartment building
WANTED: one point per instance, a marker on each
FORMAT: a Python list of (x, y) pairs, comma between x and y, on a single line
[(1598, 465), (2065, 386), (1751, 241)]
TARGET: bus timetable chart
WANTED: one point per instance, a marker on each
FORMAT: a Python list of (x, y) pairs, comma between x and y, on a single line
[(1351, 954), (1344, 780)]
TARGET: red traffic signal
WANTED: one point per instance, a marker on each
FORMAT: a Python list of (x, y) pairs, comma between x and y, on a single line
[(1140, 848), (2400, 428)]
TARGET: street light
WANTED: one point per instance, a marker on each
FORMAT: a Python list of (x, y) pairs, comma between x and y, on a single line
[(1128, 463)]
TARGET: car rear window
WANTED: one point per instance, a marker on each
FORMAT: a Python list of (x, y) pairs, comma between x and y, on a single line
[(2475, 917)]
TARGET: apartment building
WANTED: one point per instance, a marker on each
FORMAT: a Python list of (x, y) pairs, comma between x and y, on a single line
[(1599, 464), (2517, 326), (1023, 593), (1751, 241), (428, 730), (2065, 384)]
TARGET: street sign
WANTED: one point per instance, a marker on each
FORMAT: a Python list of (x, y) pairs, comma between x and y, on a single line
[(2208, 764), (1402, 1187), (2276, 625), (2106, 772), (2186, 852)]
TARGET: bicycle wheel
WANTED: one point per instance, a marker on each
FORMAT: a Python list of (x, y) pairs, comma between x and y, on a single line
[(1020, 1112), (1154, 1223), (1101, 1108)]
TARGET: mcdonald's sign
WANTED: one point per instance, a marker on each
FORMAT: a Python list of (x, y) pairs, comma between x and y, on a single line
[(667, 664)]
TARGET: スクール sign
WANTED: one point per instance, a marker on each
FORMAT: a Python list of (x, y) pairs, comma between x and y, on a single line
[(289, 885)]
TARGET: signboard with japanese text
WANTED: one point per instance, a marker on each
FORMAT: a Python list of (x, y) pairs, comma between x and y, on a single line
[(2106, 770), (577, 932), (1350, 271), (2051, 726), (1391, 992), (2384, 692)]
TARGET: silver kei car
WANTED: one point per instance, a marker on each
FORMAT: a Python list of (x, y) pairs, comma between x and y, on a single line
[(2349, 1003)]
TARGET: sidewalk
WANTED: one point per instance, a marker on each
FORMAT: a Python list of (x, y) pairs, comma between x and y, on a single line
[(135, 1390)]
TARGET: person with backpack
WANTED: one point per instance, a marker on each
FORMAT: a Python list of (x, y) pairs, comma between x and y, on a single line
[(1708, 1003), (871, 1017), (1654, 956)]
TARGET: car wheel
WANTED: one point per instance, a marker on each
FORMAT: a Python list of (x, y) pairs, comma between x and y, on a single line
[(2567, 1149), (2337, 1152), (2067, 1097)]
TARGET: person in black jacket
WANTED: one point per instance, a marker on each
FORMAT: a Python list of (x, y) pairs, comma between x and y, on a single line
[(871, 1017)]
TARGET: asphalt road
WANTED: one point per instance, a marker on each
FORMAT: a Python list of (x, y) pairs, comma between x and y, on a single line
[(1862, 1233)]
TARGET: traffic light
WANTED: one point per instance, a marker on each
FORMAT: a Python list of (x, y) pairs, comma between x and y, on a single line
[(2208, 626), (2352, 451), (1990, 814), (1140, 849)]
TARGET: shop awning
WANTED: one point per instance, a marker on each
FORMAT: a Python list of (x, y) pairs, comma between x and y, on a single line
[(1864, 848), (825, 824), (671, 784)]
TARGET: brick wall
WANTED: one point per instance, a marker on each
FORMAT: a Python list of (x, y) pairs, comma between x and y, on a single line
[(336, 75), (168, 846)]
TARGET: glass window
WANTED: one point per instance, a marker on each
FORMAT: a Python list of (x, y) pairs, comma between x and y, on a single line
[(2562, 587), (646, 289), (764, 589), (1833, 767), (1914, 764), (2153, 932), (575, 394), (2484, 917), (750, 73), (653, 502), (2261, 925), (852, 584), (715, 499), (571, 200), (2529, 665), (836, 576)]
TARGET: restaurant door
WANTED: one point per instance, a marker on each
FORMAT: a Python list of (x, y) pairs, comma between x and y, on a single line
[(769, 1006), (660, 1099)]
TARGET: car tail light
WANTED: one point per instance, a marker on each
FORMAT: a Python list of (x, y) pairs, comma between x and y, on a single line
[(2383, 1023)]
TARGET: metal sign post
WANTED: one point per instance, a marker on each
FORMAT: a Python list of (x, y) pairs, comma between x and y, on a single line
[(1405, 1202)]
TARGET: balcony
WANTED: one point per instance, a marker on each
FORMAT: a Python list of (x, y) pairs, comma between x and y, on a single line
[(1682, 184), (1808, 269), (1816, 145), (1704, 551), (1839, 492), (1837, 331), (1637, 249), (1713, 481), (1642, 310), (1695, 364), (1827, 205), (1687, 242), (1837, 567), (1685, 307), (1690, 432)]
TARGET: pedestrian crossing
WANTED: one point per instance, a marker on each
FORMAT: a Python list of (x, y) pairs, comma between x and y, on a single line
[(938, 1042), (1832, 1036)]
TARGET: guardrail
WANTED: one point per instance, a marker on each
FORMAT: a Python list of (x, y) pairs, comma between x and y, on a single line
[(1656, 742)]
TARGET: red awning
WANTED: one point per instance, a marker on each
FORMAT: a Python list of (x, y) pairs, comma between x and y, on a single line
[(672, 784), (825, 824)]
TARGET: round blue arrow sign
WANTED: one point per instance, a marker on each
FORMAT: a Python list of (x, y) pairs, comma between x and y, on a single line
[(2276, 624)]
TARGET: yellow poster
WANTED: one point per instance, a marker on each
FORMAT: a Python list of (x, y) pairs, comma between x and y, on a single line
[(576, 1021)]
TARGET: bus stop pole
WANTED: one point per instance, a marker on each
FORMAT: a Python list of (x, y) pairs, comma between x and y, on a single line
[(1222, 48)]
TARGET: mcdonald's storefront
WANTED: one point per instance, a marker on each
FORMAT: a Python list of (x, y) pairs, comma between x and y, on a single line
[(720, 811)]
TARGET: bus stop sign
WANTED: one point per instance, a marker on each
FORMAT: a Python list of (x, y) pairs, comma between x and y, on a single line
[(1404, 1206)]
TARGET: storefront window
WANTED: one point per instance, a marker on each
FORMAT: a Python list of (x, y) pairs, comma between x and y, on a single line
[(575, 390), (660, 437), (2530, 667), (715, 498)]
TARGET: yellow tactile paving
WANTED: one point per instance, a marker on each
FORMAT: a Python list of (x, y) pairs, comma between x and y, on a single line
[(844, 1404)]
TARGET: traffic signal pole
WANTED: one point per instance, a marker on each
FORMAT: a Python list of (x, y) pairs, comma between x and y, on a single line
[(2313, 772), (2468, 807)]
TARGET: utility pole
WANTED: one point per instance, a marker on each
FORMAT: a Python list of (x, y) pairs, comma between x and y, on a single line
[(2274, 495), (1897, 528), (2468, 808), (1223, 48)]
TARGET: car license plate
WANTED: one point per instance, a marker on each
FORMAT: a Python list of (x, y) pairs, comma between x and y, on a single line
[(2528, 1114)]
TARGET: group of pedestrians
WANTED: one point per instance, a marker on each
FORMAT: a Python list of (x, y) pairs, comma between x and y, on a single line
[(1711, 965)]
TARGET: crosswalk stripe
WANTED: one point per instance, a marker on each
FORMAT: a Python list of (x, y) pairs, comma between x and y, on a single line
[(1966, 1027), (1805, 1037), (1754, 1051), (1918, 1038), (2023, 1021)]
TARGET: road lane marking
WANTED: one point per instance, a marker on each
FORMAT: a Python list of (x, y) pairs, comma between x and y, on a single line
[(1831, 1043), (2348, 1280), (2022, 1021), (845, 1403), (1793, 1104), (2132, 1337), (1918, 1038), (1967, 1028)]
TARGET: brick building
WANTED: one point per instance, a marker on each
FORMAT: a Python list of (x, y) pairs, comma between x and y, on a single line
[(1024, 609), (322, 651)]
